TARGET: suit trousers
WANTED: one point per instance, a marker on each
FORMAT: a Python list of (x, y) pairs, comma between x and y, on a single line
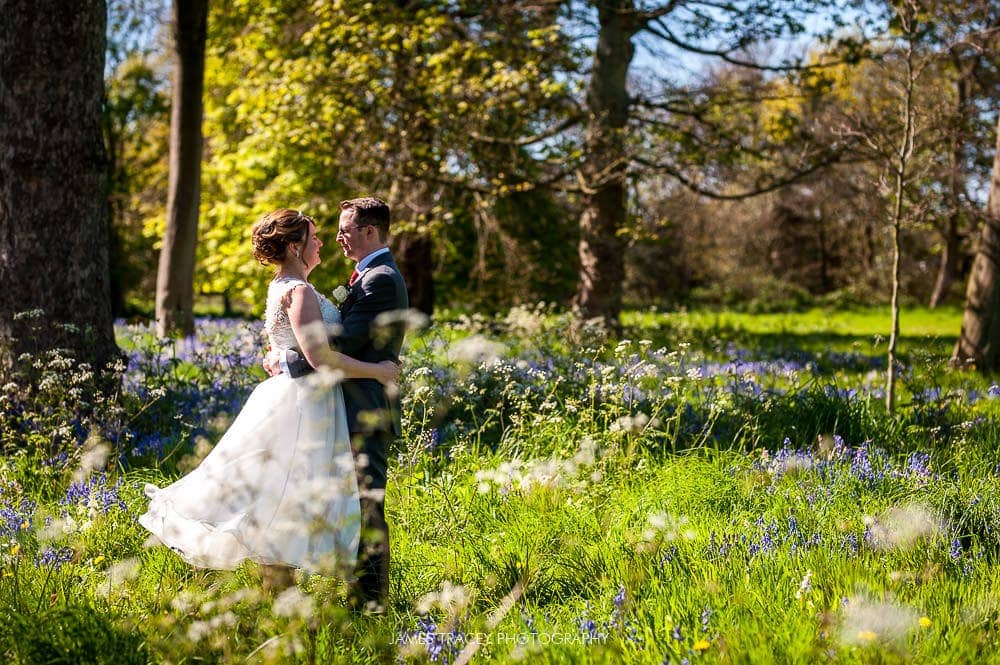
[(371, 586)]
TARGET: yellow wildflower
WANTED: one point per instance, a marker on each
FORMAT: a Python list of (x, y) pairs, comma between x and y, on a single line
[(867, 635), (925, 622), (99, 560), (15, 549), (701, 645)]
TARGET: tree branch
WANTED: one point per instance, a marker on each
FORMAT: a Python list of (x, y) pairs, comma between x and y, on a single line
[(693, 186), (528, 140), (667, 35)]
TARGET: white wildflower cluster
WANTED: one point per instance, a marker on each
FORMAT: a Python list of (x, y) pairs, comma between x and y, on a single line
[(665, 527), (633, 424), (55, 529), (451, 598), (786, 463), (526, 321), (594, 330), (904, 526), (475, 323), (867, 621), (805, 586), (94, 457), (215, 616), (199, 630), (553, 472), (185, 602), (476, 350), (223, 603), (118, 574), (293, 604)]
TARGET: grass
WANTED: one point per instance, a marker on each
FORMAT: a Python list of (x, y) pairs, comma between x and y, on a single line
[(731, 490)]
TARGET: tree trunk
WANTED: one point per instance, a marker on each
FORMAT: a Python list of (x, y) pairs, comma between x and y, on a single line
[(413, 244), (950, 255), (979, 340), (901, 169), (175, 274), (415, 255), (601, 248), (54, 212)]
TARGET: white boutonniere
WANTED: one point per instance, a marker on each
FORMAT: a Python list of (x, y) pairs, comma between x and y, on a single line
[(340, 294)]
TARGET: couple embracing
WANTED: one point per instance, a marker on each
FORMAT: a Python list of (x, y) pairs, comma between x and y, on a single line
[(298, 480)]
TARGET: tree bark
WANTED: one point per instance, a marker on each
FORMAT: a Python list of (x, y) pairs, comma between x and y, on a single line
[(54, 212), (979, 341), (901, 173), (601, 248), (175, 274), (414, 246)]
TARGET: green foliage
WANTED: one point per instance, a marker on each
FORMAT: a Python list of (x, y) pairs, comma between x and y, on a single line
[(69, 635), (311, 103), (136, 129)]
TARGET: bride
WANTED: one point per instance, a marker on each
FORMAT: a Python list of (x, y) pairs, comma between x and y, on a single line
[(280, 486)]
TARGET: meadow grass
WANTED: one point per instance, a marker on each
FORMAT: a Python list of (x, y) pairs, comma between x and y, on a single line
[(715, 488)]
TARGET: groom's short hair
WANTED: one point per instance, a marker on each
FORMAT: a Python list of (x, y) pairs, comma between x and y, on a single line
[(370, 211)]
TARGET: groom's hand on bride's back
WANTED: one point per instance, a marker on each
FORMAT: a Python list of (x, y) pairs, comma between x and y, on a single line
[(271, 363)]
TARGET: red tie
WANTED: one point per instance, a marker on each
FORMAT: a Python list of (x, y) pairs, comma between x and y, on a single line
[(354, 278)]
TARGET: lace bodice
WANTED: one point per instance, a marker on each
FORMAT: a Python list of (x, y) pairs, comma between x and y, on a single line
[(276, 323)]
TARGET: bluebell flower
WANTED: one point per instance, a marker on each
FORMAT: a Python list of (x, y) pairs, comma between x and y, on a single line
[(619, 598), (53, 556), (440, 647), (588, 627), (918, 464), (14, 520)]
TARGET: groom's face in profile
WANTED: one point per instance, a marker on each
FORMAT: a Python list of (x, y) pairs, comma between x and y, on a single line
[(355, 240)]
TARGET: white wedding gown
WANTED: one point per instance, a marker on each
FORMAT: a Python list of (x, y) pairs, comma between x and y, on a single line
[(280, 486)]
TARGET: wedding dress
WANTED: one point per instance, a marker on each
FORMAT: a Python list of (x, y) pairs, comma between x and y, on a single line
[(280, 486)]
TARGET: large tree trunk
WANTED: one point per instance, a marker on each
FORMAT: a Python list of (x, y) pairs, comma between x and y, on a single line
[(54, 212), (979, 342), (413, 246), (415, 255), (601, 249), (175, 274)]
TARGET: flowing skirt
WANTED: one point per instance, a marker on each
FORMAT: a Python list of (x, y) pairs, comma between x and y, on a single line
[(279, 487)]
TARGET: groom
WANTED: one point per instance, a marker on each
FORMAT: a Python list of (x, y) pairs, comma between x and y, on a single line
[(375, 288)]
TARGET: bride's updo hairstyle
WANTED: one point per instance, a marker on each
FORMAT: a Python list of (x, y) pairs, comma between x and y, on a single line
[(275, 231)]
